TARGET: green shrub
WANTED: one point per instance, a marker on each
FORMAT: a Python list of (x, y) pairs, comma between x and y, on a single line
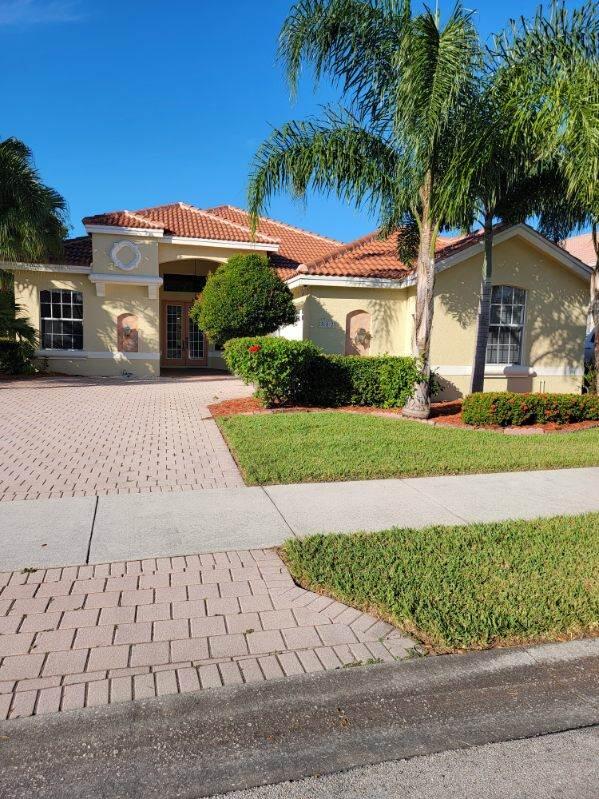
[(244, 297), (277, 367), (298, 372), (507, 408), (385, 381), (16, 357)]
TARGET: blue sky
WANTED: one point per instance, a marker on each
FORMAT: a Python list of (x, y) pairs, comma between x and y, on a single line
[(141, 102)]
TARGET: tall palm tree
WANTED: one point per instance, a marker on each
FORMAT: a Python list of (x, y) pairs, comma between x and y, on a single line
[(500, 180), (548, 75), (403, 77), (503, 172), (32, 215)]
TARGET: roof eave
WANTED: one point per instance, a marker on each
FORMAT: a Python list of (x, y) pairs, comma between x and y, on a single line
[(155, 233)]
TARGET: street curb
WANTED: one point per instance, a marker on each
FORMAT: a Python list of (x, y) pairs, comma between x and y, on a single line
[(200, 744)]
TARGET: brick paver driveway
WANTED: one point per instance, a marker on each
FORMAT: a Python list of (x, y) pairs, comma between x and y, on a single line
[(90, 635), (64, 437)]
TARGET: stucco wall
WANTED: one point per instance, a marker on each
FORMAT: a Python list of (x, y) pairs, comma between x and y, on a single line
[(554, 326), (100, 316), (326, 310), (554, 330), (102, 244)]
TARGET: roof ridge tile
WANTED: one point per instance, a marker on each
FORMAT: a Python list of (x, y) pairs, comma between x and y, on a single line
[(344, 249), (245, 228), (278, 222)]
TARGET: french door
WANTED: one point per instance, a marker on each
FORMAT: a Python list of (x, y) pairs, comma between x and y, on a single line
[(183, 343)]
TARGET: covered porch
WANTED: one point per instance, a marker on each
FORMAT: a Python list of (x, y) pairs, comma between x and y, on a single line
[(184, 348)]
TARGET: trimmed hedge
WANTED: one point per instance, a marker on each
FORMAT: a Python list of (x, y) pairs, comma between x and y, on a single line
[(507, 408), (287, 372)]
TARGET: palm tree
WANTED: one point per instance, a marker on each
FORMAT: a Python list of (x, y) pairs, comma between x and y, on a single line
[(14, 326), (501, 173), (486, 167), (32, 227), (18, 337), (32, 215), (548, 75), (500, 180), (404, 77)]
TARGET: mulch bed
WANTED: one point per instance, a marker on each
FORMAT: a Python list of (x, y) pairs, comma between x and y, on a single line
[(443, 414)]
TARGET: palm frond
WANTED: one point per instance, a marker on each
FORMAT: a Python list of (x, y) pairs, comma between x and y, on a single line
[(547, 76), (437, 69), (352, 41), (33, 216), (335, 155)]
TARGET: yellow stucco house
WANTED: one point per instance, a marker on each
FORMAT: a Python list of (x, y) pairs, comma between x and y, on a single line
[(118, 303)]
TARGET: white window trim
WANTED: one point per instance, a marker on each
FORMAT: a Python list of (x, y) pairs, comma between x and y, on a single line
[(523, 326), (507, 370), (61, 319)]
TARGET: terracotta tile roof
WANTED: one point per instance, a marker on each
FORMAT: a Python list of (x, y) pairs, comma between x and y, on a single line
[(122, 219), (296, 246), (581, 247), (373, 257), (180, 219), (75, 252)]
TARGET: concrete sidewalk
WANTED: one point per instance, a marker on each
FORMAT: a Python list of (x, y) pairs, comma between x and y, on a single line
[(60, 532)]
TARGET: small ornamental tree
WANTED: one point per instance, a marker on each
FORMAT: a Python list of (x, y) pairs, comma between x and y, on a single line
[(244, 297)]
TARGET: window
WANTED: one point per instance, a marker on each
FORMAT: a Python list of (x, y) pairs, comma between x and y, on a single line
[(62, 319), (194, 284), (507, 324)]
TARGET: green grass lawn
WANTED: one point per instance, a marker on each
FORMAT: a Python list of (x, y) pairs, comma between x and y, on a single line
[(304, 447), (465, 587)]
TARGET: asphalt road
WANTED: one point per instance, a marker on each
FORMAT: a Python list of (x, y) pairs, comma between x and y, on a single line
[(235, 738), (564, 765)]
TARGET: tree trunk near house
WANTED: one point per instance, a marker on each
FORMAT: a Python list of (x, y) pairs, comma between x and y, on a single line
[(419, 404), (477, 382)]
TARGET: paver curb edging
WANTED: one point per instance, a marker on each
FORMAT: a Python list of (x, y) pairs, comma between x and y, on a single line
[(238, 737), (92, 635)]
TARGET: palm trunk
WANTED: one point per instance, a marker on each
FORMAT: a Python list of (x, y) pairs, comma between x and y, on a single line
[(484, 310), (419, 404), (595, 303)]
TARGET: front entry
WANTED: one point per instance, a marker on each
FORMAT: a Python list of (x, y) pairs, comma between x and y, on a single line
[(183, 343)]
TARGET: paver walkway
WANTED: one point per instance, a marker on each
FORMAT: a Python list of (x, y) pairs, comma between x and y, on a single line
[(84, 636), (69, 437)]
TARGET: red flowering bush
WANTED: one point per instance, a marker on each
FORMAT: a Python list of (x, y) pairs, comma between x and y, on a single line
[(506, 408), (277, 367), (287, 372)]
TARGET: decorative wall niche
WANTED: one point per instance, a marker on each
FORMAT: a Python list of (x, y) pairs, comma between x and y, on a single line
[(357, 333), (127, 333)]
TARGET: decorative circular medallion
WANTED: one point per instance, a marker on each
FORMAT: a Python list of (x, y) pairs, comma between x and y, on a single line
[(125, 255)]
